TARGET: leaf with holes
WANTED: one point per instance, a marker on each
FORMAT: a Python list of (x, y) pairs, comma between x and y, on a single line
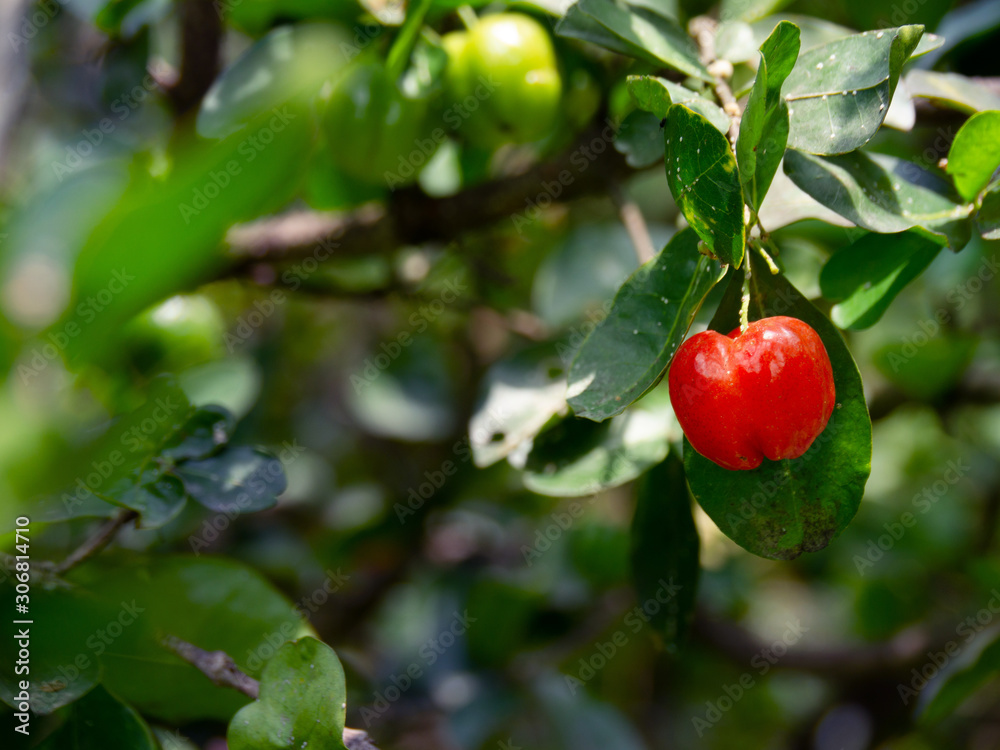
[(628, 352), (303, 697), (655, 95), (519, 395), (665, 550), (764, 127), (867, 275), (705, 183), (975, 154), (637, 31), (882, 193), (784, 508), (839, 93)]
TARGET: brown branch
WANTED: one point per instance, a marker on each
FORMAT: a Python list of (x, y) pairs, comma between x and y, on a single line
[(97, 542), (201, 31), (703, 29), (412, 218), (635, 224), (220, 668)]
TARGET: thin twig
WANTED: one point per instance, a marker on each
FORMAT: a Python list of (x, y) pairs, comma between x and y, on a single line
[(635, 223), (96, 543), (201, 31), (220, 668), (703, 30)]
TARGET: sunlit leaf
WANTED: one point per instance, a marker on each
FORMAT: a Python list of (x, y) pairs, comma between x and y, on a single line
[(975, 153)]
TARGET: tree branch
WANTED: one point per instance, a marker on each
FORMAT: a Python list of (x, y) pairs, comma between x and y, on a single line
[(97, 542), (703, 29), (201, 31), (220, 668)]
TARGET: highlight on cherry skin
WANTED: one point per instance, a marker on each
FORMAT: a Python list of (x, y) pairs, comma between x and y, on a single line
[(766, 393)]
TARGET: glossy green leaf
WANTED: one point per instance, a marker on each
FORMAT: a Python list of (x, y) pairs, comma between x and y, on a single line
[(179, 223), (640, 139), (867, 275), (988, 215), (158, 499), (705, 182), (958, 682), (302, 702), (882, 193), (764, 126), (655, 95), (628, 352), (665, 550), (214, 603), (952, 91), (99, 721), (749, 10), (578, 457), (975, 153), (637, 31), (518, 396), (238, 480), (205, 432), (838, 94), (784, 508)]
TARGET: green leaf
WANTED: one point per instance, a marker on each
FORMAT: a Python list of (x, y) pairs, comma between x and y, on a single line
[(958, 682), (63, 665), (764, 127), (975, 153), (238, 480), (637, 31), (665, 550), (214, 603), (705, 182), (179, 223), (640, 139), (749, 11), (206, 431), (882, 193), (988, 215), (784, 508), (951, 90), (655, 95), (156, 498), (838, 94), (519, 395), (628, 352), (578, 457), (302, 702), (99, 721), (868, 274)]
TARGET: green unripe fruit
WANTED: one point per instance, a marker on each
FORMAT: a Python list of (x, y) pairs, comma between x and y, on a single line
[(504, 76), (373, 128), (182, 332)]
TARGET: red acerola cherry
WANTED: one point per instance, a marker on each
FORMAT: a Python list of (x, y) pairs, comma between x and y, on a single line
[(739, 398)]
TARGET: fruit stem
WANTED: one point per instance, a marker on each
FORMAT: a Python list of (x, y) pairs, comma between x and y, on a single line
[(772, 266), (745, 302), (467, 16), (402, 47)]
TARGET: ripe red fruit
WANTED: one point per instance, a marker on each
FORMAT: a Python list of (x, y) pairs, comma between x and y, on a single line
[(739, 398)]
